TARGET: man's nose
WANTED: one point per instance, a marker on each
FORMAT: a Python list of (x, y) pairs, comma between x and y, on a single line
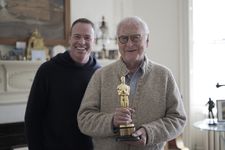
[(129, 42), (82, 40)]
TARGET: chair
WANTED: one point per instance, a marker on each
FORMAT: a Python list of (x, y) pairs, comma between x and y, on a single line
[(176, 143), (180, 143)]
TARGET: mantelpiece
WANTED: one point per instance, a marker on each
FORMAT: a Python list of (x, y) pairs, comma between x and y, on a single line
[(16, 78)]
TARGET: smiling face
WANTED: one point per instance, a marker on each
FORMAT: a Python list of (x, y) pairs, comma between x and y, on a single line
[(132, 42), (81, 42)]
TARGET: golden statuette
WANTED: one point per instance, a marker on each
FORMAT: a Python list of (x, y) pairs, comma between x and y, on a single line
[(123, 92), (125, 130)]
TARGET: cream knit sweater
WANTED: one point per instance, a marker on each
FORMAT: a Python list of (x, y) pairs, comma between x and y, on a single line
[(157, 103)]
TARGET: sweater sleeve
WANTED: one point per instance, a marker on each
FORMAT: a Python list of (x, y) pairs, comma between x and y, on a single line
[(35, 111), (173, 123), (91, 120)]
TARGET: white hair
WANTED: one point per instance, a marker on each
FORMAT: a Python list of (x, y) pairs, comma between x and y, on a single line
[(134, 20)]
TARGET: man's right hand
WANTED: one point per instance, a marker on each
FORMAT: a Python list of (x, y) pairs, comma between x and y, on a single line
[(122, 116)]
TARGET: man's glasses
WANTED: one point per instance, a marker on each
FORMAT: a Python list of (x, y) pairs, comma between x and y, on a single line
[(135, 38)]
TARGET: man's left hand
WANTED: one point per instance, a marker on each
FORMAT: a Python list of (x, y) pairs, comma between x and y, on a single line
[(143, 137)]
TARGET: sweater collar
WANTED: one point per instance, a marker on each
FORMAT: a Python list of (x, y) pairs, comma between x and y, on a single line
[(145, 66)]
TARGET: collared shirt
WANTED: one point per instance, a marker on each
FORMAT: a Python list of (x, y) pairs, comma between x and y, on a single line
[(132, 78)]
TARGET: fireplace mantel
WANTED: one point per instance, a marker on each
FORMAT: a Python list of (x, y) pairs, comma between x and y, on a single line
[(16, 78)]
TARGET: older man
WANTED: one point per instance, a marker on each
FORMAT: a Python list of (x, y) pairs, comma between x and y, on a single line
[(155, 104)]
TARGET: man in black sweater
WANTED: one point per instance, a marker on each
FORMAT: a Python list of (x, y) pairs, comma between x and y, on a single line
[(56, 94)]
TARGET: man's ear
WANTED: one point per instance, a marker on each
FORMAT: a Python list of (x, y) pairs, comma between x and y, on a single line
[(147, 41), (147, 38)]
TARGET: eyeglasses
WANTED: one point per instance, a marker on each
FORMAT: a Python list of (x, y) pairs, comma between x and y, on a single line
[(135, 38)]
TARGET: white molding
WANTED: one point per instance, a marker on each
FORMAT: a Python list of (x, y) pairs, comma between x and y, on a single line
[(184, 59), (16, 80)]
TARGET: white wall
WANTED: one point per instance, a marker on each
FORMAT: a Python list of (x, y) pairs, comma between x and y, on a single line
[(162, 18), (112, 10)]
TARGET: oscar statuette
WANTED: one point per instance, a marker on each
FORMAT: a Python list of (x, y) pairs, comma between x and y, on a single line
[(125, 130)]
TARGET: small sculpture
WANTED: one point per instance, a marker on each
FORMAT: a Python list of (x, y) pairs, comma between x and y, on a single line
[(36, 42), (211, 105)]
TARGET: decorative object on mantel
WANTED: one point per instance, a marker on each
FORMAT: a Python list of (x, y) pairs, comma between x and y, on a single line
[(14, 53), (103, 38), (19, 51), (36, 49)]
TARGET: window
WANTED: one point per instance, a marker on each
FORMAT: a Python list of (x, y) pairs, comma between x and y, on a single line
[(208, 51)]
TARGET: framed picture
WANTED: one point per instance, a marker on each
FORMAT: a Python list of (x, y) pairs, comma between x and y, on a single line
[(220, 110), (18, 19)]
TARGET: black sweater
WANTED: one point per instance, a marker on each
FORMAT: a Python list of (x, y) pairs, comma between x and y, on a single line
[(54, 100)]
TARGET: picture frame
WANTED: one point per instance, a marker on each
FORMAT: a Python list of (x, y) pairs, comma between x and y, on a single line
[(19, 19), (220, 104)]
